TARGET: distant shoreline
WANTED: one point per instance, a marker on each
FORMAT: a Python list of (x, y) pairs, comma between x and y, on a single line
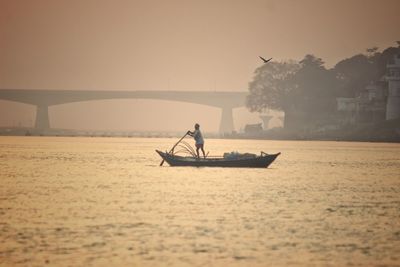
[(279, 135)]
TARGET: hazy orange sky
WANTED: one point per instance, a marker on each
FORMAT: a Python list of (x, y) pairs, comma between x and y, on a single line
[(176, 45)]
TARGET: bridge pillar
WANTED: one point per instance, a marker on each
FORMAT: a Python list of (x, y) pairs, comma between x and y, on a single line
[(42, 117), (226, 124)]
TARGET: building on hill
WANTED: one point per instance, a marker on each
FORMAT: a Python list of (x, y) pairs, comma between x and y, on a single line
[(368, 107), (346, 107), (371, 103), (393, 79), (379, 101)]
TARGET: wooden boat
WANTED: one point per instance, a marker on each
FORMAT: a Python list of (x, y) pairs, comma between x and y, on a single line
[(262, 161)]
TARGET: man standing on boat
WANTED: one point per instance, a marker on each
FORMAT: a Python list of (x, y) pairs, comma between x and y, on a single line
[(198, 137)]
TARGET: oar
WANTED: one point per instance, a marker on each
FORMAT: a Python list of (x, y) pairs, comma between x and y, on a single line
[(172, 149)]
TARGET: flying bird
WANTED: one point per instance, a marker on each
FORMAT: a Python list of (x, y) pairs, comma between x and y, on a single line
[(265, 60)]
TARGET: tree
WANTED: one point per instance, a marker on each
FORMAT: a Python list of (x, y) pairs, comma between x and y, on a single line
[(372, 51), (354, 74), (305, 88), (280, 85), (271, 86), (306, 91), (384, 58), (315, 86)]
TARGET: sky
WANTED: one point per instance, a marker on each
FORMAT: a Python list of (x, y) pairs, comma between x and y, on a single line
[(208, 45)]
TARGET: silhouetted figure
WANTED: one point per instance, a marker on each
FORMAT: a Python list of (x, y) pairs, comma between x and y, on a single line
[(265, 60), (198, 137)]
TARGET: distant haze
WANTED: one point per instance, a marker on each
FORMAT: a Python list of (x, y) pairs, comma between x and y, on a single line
[(170, 45)]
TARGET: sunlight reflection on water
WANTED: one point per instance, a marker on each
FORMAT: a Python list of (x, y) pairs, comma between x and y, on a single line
[(102, 201)]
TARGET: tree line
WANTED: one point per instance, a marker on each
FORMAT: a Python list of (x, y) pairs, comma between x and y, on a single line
[(309, 88)]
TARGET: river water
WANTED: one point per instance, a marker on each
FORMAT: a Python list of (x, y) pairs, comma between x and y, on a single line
[(107, 202)]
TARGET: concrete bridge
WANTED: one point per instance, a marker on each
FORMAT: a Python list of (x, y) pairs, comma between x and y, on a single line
[(45, 98)]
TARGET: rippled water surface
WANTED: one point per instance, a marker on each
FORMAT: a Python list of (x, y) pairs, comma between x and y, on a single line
[(107, 202)]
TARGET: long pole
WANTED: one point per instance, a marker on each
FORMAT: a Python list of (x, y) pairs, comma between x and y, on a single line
[(172, 149)]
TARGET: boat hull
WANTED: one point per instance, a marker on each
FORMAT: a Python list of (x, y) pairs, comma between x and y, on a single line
[(258, 162)]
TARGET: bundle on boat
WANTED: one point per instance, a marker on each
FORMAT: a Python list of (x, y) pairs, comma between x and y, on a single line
[(183, 154), (237, 155)]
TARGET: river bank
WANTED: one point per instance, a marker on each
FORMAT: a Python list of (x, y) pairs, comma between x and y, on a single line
[(386, 131)]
